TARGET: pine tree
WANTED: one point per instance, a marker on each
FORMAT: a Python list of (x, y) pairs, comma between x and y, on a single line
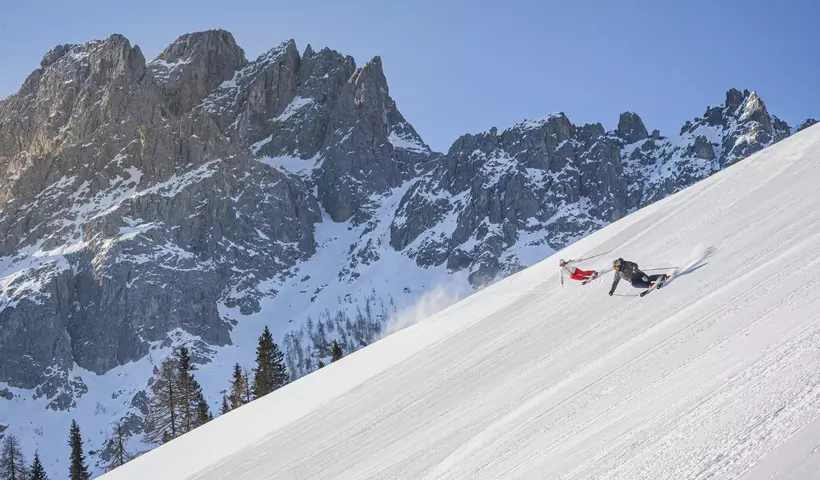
[(320, 364), (12, 464), (239, 388), (190, 393), (203, 413), (77, 469), (280, 370), (225, 407), (163, 423), (270, 371), (116, 443), (187, 411), (337, 351), (308, 365), (37, 471), (246, 376)]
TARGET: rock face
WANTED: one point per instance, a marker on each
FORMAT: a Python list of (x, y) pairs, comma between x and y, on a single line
[(146, 205), (121, 220), (805, 124), (631, 128), (658, 167), (283, 106), (191, 67), (491, 189), (702, 148), (547, 182)]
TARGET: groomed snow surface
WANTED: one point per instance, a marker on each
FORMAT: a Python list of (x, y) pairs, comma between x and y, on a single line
[(717, 375)]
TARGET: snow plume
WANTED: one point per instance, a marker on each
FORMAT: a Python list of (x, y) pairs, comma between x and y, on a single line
[(430, 303), (697, 259)]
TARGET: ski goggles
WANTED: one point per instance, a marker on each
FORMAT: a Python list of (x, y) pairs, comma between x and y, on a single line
[(616, 267)]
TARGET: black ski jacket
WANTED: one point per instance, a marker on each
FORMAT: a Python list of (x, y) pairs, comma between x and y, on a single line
[(628, 271)]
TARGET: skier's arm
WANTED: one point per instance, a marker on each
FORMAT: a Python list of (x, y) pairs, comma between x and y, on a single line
[(615, 283)]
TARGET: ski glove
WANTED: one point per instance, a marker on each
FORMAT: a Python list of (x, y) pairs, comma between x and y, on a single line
[(610, 294)]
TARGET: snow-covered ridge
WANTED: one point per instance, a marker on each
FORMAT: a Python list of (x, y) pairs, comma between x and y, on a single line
[(537, 122), (293, 107), (407, 142)]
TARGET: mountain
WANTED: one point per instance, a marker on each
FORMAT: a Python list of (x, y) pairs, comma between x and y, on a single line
[(497, 201), (713, 376), (200, 196)]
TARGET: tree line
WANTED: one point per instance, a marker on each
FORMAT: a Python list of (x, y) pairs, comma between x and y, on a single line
[(270, 374), (306, 347), (13, 465), (176, 405)]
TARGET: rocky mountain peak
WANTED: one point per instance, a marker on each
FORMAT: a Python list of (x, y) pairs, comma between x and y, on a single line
[(743, 124), (247, 101), (370, 147), (631, 127), (375, 68), (104, 193), (113, 59), (371, 89), (55, 54), (83, 87), (498, 195), (198, 43), (734, 98), (805, 124), (196, 63), (754, 110)]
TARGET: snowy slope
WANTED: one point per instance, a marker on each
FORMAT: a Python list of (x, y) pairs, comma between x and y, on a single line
[(714, 376)]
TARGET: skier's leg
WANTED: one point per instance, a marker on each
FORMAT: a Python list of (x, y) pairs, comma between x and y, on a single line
[(640, 282), (577, 276), (586, 273)]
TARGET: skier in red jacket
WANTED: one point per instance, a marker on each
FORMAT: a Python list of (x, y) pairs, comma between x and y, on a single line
[(575, 273)]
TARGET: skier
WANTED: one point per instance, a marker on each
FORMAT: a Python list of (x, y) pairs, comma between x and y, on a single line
[(575, 273), (632, 274)]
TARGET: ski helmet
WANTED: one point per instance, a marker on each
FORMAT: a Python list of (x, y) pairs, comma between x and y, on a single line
[(562, 262), (616, 265)]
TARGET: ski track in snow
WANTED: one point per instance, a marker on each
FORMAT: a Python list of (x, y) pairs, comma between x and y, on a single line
[(712, 377)]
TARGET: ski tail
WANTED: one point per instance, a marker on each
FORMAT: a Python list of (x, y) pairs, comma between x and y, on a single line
[(660, 283)]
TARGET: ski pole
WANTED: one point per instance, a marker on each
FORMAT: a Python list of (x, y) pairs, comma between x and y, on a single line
[(655, 269), (597, 255)]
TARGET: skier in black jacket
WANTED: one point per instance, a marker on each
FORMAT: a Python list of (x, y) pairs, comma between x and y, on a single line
[(632, 274)]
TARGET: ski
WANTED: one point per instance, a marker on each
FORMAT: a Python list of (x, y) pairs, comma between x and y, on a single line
[(589, 279), (653, 287), (659, 284)]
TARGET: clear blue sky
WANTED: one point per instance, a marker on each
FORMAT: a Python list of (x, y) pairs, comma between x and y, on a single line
[(457, 66)]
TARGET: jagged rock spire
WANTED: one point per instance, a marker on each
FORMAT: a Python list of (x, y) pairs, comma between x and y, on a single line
[(631, 127), (195, 64)]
